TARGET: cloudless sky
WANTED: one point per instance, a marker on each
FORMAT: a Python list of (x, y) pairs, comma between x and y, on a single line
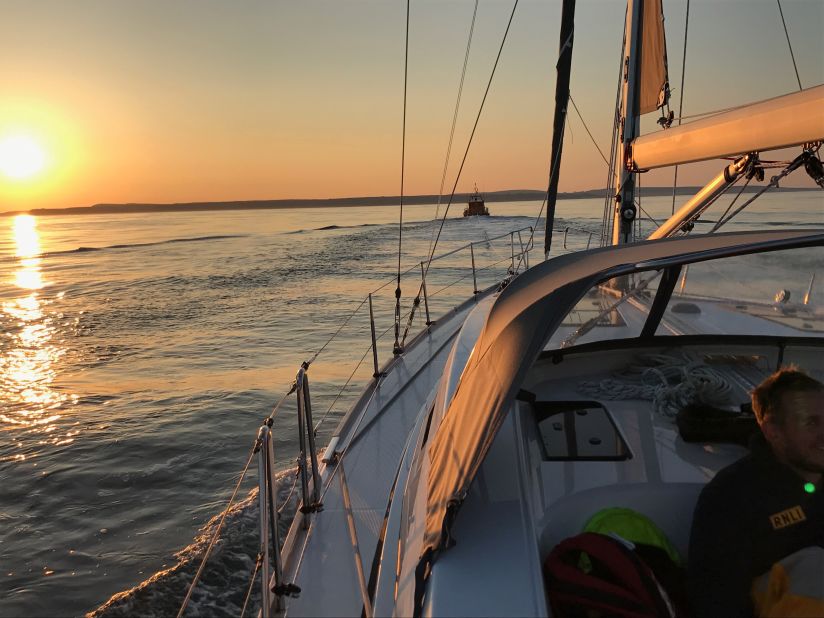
[(172, 100)]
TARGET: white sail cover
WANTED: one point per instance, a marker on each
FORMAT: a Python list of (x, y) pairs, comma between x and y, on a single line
[(788, 120), (517, 328), (654, 91)]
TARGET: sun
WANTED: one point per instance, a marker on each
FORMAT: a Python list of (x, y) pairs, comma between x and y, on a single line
[(21, 157)]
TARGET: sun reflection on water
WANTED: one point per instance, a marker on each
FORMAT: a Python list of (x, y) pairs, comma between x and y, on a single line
[(28, 364)]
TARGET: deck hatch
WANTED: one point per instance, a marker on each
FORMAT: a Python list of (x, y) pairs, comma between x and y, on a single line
[(579, 431)]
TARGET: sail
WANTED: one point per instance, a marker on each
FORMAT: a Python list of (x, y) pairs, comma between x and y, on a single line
[(654, 91)]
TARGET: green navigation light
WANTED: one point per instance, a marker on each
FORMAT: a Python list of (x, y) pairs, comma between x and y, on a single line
[(809, 488)]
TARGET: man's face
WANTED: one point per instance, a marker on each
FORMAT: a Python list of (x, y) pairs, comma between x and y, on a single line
[(799, 439)]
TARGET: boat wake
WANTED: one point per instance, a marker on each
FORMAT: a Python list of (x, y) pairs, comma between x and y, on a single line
[(327, 228), (131, 245), (223, 585)]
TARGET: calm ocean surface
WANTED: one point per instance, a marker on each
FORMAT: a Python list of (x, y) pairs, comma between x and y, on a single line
[(139, 353)]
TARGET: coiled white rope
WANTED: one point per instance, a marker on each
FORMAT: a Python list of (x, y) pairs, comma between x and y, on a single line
[(669, 382)]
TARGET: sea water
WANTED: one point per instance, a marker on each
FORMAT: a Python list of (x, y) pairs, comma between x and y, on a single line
[(139, 353)]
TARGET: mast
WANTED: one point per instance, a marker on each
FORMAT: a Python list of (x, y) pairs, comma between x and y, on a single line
[(628, 124), (563, 68)]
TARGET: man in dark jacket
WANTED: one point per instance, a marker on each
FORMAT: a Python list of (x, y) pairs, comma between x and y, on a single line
[(765, 506)]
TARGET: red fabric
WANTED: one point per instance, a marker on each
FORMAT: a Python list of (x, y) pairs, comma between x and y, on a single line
[(619, 583)]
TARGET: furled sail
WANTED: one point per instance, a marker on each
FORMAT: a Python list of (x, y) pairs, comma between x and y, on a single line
[(654, 91)]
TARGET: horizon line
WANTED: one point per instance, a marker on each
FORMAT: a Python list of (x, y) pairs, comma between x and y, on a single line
[(506, 195)]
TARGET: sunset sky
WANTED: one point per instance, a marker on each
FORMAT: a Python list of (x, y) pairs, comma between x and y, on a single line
[(169, 101)]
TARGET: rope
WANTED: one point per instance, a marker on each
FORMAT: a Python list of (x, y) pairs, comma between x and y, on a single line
[(790, 45), (454, 119), (670, 382), (681, 96), (251, 585), (798, 161), (283, 506), (600, 152), (403, 164), (214, 537), (715, 112)]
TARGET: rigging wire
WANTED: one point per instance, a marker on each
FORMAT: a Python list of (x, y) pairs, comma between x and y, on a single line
[(735, 199), (600, 152), (215, 536), (681, 96), (649, 216), (797, 162), (711, 113), (343, 388), (454, 120), (251, 585), (606, 222), (790, 45), (403, 167), (471, 136), (416, 302), (340, 328)]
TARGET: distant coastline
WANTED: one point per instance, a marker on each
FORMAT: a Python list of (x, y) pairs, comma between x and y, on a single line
[(519, 195)]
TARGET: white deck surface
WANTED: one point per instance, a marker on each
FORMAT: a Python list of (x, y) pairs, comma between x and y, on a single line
[(373, 446)]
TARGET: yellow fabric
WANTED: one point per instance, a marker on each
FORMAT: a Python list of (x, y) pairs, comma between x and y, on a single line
[(792, 588)]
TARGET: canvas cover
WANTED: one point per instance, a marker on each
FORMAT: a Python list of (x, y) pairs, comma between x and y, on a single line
[(519, 324), (654, 91), (778, 122)]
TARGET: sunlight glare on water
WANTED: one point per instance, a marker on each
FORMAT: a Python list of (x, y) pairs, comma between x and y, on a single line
[(138, 355), (27, 368)]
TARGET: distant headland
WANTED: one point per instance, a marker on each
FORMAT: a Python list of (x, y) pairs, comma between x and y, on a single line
[(518, 195)]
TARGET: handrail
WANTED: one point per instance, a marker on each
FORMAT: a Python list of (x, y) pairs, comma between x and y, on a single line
[(275, 589), (456, 250), (477, 242)]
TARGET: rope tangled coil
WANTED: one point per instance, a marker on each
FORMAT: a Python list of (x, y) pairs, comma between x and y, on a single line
[(669, 382)]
